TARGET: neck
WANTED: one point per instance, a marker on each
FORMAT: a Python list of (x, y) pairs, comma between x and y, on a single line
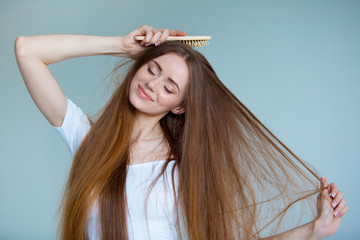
[(146, 127)]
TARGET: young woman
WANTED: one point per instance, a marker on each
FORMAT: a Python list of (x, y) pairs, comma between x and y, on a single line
[(174, 154)]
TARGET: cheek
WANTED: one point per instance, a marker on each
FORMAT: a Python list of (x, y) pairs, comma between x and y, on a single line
[(170, 101)]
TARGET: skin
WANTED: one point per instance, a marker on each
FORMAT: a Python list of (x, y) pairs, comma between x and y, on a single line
[(163, 81), (35, 53)]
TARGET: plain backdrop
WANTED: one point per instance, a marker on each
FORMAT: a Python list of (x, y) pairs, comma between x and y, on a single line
[(294, 64)]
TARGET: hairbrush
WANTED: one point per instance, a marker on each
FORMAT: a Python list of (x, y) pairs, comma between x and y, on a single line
[(192, 41)]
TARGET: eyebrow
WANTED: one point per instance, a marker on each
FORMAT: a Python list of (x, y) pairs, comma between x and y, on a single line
[(170, 79)]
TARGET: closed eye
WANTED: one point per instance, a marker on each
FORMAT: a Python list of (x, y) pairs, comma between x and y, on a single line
[(167, 90), (151, 72)]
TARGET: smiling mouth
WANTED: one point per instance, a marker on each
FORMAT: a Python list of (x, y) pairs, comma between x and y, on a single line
[(144, 94)]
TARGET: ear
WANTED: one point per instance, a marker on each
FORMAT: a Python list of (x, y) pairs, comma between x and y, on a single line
[(178, 110)]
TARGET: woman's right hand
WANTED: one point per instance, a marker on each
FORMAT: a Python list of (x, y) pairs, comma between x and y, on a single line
[(152, 37)]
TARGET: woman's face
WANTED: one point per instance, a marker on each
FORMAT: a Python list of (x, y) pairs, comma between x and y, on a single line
[(159, 85)]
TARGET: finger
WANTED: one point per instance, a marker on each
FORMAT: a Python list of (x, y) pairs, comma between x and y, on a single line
[(164, 35), (344, 210), (333, 189), (325, 196), (324, 184), (176, 33), (156, 36), (341, 205), (147, 39), (144, 29), (339, 208), (324, 190), (337, 199)]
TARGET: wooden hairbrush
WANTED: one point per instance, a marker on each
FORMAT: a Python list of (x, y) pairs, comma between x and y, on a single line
[(192, 41)]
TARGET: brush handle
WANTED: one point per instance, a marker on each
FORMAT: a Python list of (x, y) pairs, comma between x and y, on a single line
[(179, 38)]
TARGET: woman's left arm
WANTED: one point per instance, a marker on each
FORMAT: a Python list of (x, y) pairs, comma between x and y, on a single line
[(331, 207)]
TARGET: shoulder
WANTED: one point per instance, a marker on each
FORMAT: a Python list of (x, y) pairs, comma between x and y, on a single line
[(74, 127)]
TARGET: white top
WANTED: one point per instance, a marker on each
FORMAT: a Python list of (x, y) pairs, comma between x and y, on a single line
[(161, 212)]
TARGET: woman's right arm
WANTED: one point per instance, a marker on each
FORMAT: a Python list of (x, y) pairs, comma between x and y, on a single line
[(35, 53)]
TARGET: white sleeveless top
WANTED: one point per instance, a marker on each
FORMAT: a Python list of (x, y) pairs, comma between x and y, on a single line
[(161, 217)]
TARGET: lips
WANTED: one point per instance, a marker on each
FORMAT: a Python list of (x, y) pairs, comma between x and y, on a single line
[(144, 94)]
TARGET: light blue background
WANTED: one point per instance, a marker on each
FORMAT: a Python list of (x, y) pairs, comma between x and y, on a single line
[(295, 64)]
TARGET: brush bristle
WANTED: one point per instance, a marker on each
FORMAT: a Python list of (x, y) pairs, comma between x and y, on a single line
[(195, 43)]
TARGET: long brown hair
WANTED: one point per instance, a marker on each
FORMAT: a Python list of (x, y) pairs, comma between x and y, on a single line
[(236, 179)]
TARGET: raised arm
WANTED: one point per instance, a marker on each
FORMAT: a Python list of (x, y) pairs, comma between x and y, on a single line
[(35, 53)]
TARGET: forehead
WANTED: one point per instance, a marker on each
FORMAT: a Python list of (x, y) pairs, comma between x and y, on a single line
[(174, 66)]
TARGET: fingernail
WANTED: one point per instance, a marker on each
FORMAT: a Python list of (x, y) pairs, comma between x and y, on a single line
[(147, 44), (334, 204), (157, 43), (336, 213), (333, 194)]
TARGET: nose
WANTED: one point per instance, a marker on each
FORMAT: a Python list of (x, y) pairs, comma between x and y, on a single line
[(153, 84)]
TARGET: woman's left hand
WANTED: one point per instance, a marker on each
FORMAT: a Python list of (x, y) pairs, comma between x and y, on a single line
[(331, 207)]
